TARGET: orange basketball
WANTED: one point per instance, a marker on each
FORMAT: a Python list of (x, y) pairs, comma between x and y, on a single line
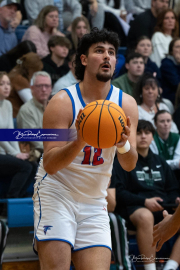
[(101, 123)]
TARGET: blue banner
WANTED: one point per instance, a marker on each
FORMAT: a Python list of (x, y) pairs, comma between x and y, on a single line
[(38, 134)]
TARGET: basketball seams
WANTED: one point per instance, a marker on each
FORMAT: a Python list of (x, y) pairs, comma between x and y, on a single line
[(100, 121), (88, 116), (113, 122), (118, 110)]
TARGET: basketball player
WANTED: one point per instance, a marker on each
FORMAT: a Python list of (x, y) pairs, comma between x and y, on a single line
[(70, 208)]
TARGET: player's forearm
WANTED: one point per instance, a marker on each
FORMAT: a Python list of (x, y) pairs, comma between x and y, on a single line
[(128, 160), (58, 158)]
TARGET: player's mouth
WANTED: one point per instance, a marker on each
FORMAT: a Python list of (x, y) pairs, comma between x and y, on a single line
[(105, 66)]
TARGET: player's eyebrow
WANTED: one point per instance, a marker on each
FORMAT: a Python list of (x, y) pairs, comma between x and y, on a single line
[(102, 47)]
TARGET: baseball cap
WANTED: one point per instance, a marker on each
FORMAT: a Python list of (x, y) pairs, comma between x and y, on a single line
[(10, 2)]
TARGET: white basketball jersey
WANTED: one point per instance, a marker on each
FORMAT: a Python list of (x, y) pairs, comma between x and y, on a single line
[(90, 172)]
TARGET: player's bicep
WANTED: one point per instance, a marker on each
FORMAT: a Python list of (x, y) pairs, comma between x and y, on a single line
[(58, 115), (130, 108)]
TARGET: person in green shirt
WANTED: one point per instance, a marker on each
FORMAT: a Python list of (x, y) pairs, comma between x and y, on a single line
[(166, 143), (135, 68)]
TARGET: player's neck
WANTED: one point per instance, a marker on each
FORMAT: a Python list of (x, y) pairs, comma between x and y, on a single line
[(94, 90)]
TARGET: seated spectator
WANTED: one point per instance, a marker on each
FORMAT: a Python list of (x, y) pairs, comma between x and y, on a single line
[(165, 143), (8, 60), (31, 113), (143, 193), (144, 23), (68, 11), (170, 70), (80, 26), (135, 68), (68, 79), (176, 115), (20, 77), (44, 27), (144, 47), (13, 163), (8, 39), (16, 20), (165, 30), (148, 98), (55, 63)]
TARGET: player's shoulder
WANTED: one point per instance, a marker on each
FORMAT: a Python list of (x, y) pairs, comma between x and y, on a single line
[(129, 105)]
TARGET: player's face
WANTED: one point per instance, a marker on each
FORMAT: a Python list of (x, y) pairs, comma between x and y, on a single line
[(144, 47), (5, 87), (136, 66), (81, 29), (150, 93), (163, 124), (60, 51), (101, 61), (143, 139), (52, 19), (169, 22), (42, 88)]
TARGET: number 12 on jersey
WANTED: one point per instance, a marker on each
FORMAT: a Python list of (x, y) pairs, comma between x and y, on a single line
[(97, 159)]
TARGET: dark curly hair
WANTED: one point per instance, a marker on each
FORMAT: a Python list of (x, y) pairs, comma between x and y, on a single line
[(87, 41)]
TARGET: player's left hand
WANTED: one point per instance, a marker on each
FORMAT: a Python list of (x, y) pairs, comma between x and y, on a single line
[(125, 134)]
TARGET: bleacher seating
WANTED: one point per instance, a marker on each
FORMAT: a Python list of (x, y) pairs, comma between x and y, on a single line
[(20, 30)]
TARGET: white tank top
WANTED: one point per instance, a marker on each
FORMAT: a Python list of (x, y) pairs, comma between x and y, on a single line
[(90, 172)]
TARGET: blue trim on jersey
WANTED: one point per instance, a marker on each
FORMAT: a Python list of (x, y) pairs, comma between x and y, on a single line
[(55, 239), (110, 92), (72, 100), (80, 96), (39, 201), (74, 250), (120, 97)]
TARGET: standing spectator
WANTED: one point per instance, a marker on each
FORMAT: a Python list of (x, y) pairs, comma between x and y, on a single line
[(165, 30), (80, 27), (148, 98), (55, 63), (8, 60), (8, 38), (31, 113), (20, 77), (68, 79), (144, 24), (135, 69), (170, 70), (13, 163), (44, 27), (68, 10)]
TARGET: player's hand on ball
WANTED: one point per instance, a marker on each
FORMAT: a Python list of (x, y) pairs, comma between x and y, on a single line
[(125, 134), (79, 138)]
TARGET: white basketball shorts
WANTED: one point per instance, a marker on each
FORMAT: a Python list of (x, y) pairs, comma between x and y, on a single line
[(66, 216)]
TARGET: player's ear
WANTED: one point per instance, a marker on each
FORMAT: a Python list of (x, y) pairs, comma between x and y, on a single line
[(83, 59)]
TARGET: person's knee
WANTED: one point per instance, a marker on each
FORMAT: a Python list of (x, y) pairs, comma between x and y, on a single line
[(142, 218)]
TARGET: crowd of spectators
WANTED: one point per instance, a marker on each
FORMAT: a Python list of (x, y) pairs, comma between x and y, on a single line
[(41, 63)]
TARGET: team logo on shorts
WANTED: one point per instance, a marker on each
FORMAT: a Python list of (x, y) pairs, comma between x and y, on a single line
[(47, 228)]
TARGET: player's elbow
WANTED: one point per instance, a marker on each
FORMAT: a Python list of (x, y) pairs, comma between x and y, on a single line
[(49, 169)]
